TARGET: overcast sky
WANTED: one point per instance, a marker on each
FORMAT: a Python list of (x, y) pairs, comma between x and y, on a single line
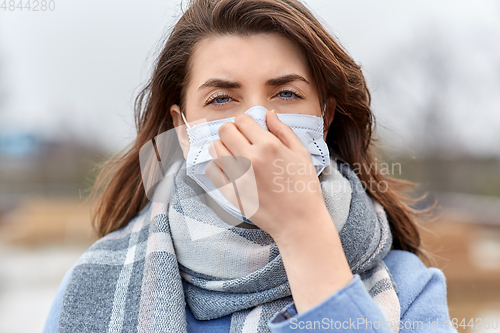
[(76, 70)]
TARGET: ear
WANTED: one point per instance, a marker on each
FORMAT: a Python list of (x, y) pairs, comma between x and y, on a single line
[(175, 112), (331, 105), (180, 128)]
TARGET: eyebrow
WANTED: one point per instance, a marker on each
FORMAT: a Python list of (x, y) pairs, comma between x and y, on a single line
[(219, 83)]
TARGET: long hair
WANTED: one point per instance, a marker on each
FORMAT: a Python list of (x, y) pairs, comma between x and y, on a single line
[(118, 193)]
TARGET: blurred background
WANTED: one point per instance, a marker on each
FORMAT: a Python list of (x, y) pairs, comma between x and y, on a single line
[(68, 78)]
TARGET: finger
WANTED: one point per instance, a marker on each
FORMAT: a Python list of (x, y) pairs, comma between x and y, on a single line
[(217, 150), (283, 132), (215, 174), (233, 139), (250, 128), (211, 150), (224, 159)]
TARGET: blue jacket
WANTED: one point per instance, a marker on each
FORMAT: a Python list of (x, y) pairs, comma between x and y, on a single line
[(422, 296)]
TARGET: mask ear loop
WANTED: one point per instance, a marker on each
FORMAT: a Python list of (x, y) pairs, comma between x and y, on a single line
[(184, 118), (323, 113)]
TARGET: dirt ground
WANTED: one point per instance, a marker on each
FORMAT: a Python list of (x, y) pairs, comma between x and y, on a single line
[(469, 256)]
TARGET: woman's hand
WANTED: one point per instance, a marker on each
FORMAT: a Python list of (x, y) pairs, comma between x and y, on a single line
[(291, 205), (289, 191)]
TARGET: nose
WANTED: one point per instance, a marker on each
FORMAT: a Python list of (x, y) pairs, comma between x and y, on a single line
[(256, 96), (242, 108), (256, 102)]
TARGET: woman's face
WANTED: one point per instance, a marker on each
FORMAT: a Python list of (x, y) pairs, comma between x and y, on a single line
[(230, 74)]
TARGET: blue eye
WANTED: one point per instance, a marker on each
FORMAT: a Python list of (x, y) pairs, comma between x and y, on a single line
[(221, 100), (286, 94), (289, 95)]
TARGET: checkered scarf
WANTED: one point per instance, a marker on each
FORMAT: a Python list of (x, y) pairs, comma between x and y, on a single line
[(139, 278)]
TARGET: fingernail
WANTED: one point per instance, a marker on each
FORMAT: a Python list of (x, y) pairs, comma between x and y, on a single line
[(274, 113)]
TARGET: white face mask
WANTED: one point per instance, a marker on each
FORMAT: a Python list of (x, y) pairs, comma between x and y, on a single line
[(308, 128)]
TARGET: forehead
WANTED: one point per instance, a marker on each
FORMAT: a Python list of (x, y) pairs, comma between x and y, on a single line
[(247, 58)]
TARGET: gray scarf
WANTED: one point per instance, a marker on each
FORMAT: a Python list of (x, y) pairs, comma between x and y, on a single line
[(139, 278)]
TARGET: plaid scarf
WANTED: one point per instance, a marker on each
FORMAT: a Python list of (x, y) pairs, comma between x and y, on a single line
[(139, 278)]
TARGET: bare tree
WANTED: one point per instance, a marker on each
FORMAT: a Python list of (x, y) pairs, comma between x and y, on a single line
[(417, 78)]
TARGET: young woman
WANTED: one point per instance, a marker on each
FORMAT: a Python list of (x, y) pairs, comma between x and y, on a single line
[(330, 241)]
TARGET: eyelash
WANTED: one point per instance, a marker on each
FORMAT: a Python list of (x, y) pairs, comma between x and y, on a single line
[(218, 95)]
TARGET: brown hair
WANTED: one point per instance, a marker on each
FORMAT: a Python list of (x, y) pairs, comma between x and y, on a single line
[(119, 190)]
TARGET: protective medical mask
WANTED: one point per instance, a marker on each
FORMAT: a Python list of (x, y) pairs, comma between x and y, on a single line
[(308, 128)]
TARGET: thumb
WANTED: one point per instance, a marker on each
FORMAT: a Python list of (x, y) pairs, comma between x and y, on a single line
[(282, 131)]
